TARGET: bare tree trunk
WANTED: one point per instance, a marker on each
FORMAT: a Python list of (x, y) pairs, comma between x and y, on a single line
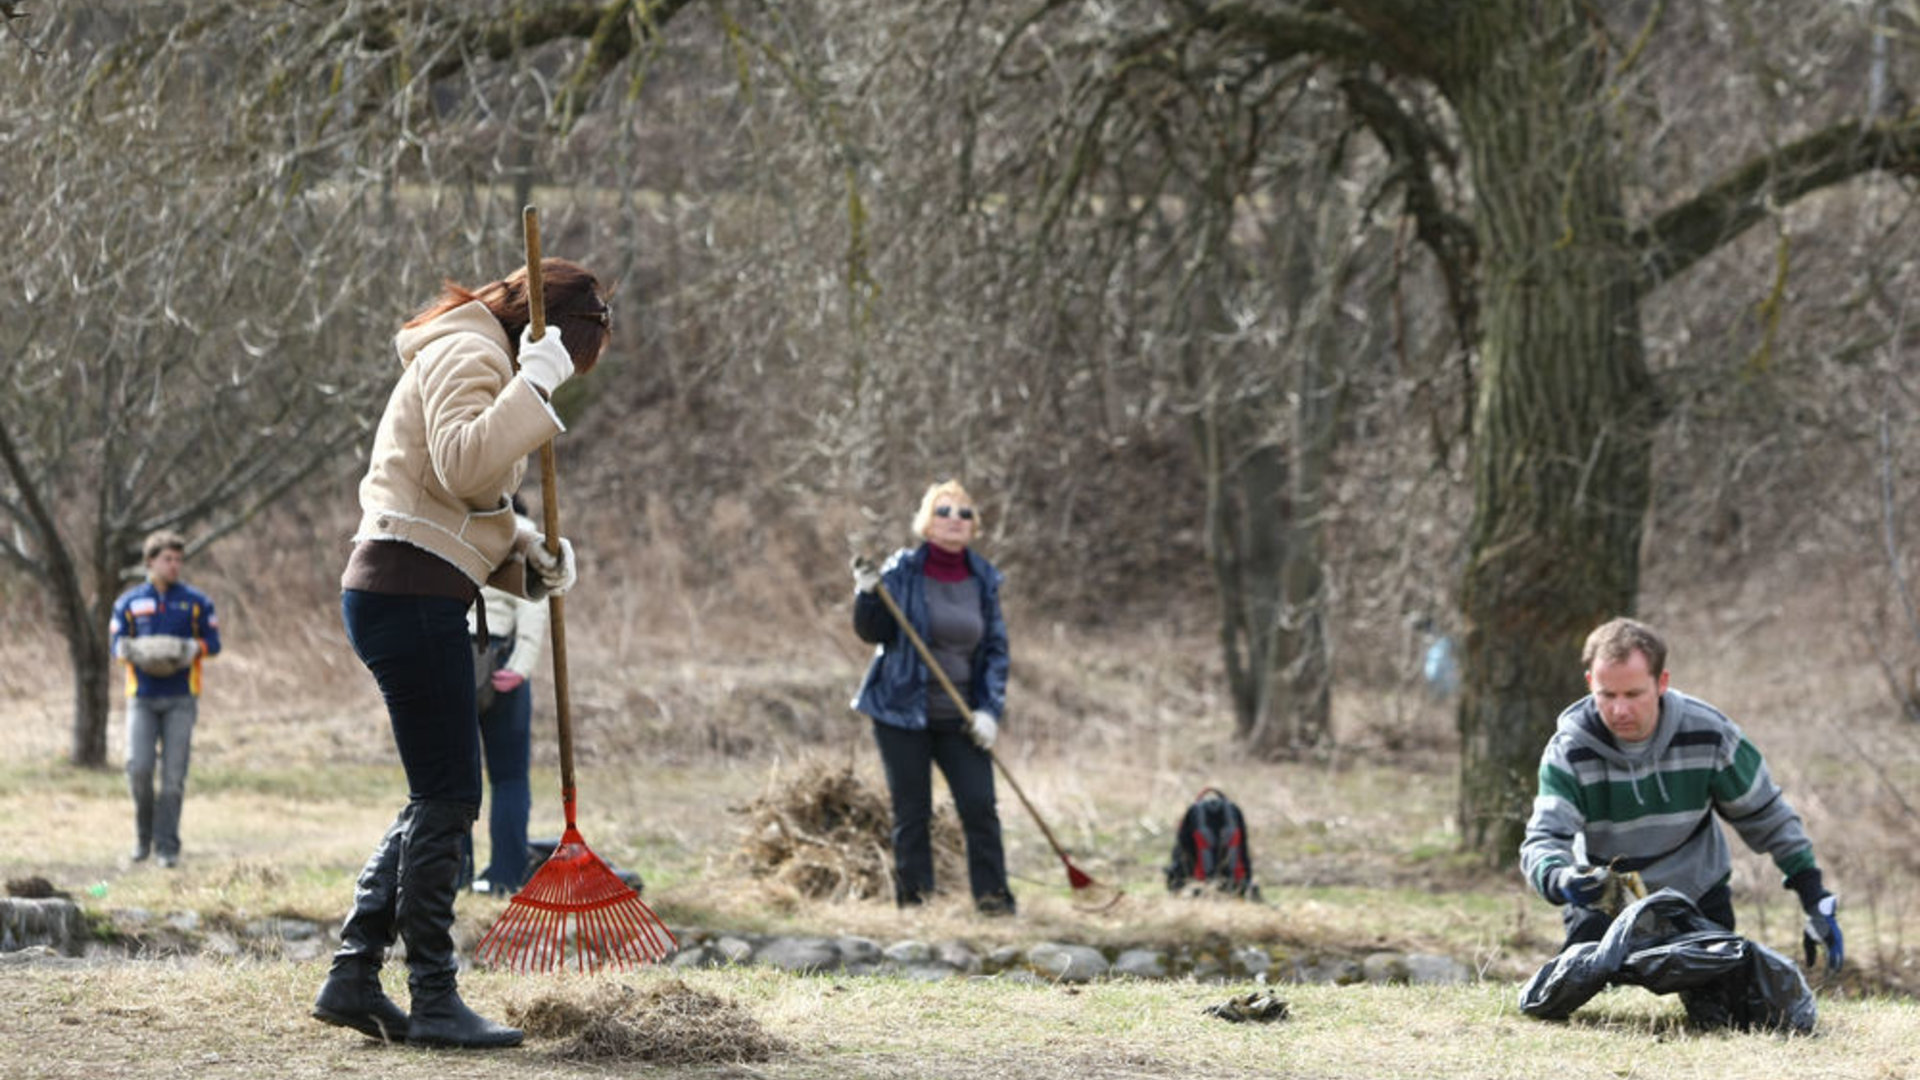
[(1247, 540), (1299, 697), (1563, 422), (87, 652)]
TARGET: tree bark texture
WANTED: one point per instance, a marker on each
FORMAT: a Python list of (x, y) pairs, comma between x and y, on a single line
[(1565, 409)]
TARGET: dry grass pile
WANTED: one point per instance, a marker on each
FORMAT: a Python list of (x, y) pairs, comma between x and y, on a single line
[(827, 835), (668, 1023), (32, 887)]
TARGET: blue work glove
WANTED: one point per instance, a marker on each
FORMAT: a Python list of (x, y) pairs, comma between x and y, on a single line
[(1579, 886), (1823, 925)]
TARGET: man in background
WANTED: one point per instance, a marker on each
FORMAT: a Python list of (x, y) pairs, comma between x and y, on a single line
[(162, 628)]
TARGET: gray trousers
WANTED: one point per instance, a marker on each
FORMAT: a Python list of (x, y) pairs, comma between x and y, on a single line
[(159, 729)]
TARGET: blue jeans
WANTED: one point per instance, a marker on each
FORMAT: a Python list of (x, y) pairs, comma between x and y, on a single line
[(417, 649), (506, 734), (908, 758), (159, 730)]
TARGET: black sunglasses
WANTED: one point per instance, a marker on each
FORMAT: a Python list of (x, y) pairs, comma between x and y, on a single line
[(965, 512)]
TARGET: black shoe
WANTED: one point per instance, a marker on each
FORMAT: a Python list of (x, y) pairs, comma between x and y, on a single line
[(352, 996), (995, 905), (430, 865), (168, 862), (140, 852)]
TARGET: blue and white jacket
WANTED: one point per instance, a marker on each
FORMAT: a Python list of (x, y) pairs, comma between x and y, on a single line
[(896, 685), (182, 611)]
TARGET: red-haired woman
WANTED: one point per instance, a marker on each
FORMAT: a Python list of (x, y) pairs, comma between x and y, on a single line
[(951, 595), (436, 523)]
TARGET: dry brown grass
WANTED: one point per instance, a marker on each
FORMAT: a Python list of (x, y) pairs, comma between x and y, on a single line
[(244, 1020), (658, 1023), (822, 832)]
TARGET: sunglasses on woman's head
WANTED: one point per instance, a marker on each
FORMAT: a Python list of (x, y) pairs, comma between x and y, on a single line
[(965, 512)]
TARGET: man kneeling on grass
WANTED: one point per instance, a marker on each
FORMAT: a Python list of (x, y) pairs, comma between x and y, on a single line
[(1639, 771)]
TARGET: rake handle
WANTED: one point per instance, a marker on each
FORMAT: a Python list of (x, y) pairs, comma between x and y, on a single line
[(926, 657), (550, 513)]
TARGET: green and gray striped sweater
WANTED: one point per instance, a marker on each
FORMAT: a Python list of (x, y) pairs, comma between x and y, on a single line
[(1654, 810)]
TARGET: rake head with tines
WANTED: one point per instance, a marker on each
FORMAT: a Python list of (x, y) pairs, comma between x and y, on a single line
[(574, 903)]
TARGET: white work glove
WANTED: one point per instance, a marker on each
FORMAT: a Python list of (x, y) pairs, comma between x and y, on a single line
[(983, 728), (551, 576), (545, 363), (162, 654), (865, 574)]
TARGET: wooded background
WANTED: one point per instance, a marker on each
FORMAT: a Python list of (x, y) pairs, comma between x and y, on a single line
[(1322, 324)]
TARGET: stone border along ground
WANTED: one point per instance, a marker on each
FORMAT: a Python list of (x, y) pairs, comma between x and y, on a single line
[(50, 930)]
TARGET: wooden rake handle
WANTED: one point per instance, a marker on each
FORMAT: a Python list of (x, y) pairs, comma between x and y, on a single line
[(926, 657), (550, 513)]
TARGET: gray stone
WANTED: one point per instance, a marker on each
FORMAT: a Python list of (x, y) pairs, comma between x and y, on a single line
[(37, 956), (54, 921), (1067, 963), (799, 954), (1249, 961), (1002, 958), (926, 972), (857, 950), (1330, 970), (130, 918), (1426, 969), (1208, 967), (908, 952), (301, 930), (1141, 964), (957, 956), (734, 950), (187, 922), (697, 956), (1384, 967), (283, 929)]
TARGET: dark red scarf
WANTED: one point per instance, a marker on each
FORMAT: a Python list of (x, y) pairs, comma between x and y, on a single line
[(944, 565)]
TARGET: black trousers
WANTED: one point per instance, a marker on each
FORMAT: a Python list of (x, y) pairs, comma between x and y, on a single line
[(1587, 924), (908, 758)]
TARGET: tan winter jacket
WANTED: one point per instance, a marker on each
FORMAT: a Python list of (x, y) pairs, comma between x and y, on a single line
[(453, 443)]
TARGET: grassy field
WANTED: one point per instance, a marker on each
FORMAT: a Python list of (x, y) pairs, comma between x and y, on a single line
[(248, 1020), (293, 779)]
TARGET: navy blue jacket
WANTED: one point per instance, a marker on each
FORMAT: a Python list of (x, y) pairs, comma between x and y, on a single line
[(182, 611), (897, 683)]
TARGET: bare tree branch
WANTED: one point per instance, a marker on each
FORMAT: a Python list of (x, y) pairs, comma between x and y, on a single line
[(1750, 193)]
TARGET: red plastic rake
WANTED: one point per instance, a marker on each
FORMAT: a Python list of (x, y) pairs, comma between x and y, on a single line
[(574, 903)]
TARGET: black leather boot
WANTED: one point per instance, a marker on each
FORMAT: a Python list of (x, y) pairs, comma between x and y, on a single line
[(352, 996), (429, 873)]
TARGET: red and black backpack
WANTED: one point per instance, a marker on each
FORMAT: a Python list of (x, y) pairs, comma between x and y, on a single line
[(1210, 850)]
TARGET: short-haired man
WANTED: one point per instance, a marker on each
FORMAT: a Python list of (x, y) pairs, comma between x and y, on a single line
[(162, 628), (1640, 771)]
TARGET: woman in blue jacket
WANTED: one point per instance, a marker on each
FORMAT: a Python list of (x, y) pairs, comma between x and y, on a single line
[(951, 595)]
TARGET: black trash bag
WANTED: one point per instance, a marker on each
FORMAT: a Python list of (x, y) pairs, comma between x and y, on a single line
[(1663, 943)]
